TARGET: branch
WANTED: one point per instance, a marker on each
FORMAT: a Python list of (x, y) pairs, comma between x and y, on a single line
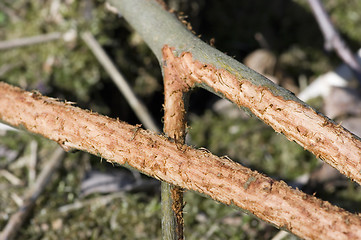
[(199, 64), (22, 42), (172, 196), (220, 178), (17, 219), (174, 127), (333, 39)]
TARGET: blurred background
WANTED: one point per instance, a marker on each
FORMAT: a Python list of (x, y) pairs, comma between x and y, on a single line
[(88, 198)]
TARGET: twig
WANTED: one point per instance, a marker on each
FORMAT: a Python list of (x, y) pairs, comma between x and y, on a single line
[(280, 235), (138, 107), (220, 178), (333, 39), (10, 177), (22, 42), (96, 201), (175, 93), (32, 162), (18, 218), (10, 12), (199, 64)]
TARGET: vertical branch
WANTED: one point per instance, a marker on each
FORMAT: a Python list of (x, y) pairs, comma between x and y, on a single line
[(333, 39), (174, 127)]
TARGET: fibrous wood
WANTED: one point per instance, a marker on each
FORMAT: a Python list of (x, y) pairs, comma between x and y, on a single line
[(198, 170), (296, 121), (199, 64)]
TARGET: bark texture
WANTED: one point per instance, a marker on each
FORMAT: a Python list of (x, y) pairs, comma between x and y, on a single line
[(199, 64), (298, 122), (175, 129), (220, 178)]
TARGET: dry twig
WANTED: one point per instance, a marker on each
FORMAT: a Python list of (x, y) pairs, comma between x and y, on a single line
[(333, 39), (22, 42), (138, 107), (175, 128), (18, 218)]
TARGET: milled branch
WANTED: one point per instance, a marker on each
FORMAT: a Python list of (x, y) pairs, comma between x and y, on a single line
[(209, 68), (156, 156)]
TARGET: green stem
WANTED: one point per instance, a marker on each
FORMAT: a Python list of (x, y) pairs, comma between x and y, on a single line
[(172, 226)]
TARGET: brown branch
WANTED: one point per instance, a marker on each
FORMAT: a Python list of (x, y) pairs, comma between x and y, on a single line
[(223, 180), (299, 123), (175, 128), (18, 218), (213, 70)]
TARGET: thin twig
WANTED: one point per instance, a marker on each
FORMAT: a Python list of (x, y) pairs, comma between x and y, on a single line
[(96, 201), (32, 162), (138, 107), (333, 39), (18, 218), (22, 42), (175, 128), (10, 177)]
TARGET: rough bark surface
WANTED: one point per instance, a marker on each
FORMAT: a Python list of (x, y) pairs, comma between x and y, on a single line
[(315, 132), (197, 62), (175, 129), (220, 178)]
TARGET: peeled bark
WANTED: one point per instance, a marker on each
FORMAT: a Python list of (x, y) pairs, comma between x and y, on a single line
[(199, 64), (175, 129), (220, 178)]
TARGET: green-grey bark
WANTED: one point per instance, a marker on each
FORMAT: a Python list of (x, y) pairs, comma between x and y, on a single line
[(159, 27)]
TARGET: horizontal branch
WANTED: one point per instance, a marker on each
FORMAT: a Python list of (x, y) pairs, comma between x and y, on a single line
[(198, 64), (22, 42), (220, 178)]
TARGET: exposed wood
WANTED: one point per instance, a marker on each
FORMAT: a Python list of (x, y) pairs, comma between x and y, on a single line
[(175, 129), (199, 64), (220, 178), (318, 134)]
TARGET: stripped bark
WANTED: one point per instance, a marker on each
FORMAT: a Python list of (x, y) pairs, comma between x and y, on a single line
[(199, 64), (220, 178), (175, 129), (318, 134)]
